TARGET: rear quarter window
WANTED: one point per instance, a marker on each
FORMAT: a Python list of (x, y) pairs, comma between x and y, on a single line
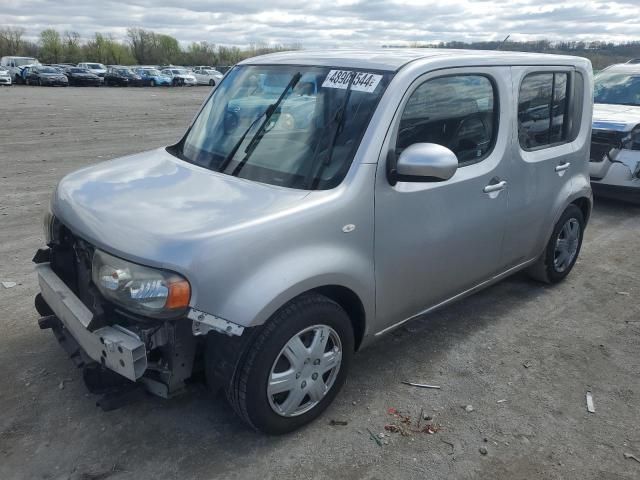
[(543, 110)]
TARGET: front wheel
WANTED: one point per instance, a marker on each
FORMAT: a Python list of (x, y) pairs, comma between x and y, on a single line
[(294, 367), (212, 83), (563, 248)]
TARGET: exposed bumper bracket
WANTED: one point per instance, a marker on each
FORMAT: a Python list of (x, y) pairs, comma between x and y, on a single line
[(203, 323)]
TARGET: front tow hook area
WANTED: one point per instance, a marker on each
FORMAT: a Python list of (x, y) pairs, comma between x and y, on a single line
[(115, 390)]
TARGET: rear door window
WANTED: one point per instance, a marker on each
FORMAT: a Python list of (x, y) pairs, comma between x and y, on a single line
[(542, 110)]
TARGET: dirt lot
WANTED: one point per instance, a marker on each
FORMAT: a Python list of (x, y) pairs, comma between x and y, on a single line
[(521, 353)]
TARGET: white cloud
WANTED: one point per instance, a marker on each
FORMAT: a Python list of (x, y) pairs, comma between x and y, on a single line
[(340, 23)]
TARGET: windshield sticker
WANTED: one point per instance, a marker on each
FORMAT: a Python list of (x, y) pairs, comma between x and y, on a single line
[(363, 81)]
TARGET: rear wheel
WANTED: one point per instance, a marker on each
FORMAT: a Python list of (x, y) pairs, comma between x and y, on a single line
[(294, 367), (563, 248), (212, 83)]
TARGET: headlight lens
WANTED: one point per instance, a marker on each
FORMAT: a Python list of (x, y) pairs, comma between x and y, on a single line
[(147, 291)]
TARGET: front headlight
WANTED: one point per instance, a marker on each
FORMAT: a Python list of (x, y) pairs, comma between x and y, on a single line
[(147, 291)]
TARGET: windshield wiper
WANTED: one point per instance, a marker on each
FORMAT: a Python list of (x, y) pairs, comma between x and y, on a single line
[(338, 119), (268, 113), (235, 148)]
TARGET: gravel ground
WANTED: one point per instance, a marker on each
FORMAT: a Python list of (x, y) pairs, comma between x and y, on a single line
[(522, 354)]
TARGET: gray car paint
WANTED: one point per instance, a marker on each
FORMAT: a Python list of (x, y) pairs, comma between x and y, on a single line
[(248, 248)]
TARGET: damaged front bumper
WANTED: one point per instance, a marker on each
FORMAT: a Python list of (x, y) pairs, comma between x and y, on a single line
[(114, 347), (614, 170), (159, 355)]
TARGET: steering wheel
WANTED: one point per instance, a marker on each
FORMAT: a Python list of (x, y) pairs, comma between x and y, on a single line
[(456, 142)]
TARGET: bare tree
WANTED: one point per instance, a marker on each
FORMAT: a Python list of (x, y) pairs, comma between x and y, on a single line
[(11, 42)]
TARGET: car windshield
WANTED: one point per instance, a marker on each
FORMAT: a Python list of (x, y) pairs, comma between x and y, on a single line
[(48, 70), (179, 71), (306, 141), (619, 88), (78, 70), (151, 72), (18, 62), (95, 66), (124, 71)]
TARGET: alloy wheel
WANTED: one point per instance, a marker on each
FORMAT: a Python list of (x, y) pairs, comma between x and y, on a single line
[(304, 371), (567, 243)]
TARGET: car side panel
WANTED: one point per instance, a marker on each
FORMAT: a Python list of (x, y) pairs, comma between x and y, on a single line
[(329, 241), (539, 193)]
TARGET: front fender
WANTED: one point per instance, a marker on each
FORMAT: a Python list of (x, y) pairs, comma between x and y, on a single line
[(284, 277)]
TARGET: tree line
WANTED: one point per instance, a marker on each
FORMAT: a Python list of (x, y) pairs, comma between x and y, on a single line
[(145, 47), (141, 47)]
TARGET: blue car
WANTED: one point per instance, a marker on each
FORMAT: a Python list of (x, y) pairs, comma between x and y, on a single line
[(152, 77)]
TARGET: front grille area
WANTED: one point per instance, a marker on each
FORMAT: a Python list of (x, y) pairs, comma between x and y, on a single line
[(603, 141), (71, 260)]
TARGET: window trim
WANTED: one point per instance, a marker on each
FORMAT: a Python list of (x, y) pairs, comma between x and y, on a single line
[(496, 116), (567, 125)]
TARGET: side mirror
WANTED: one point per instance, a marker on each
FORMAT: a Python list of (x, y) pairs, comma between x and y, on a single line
[(425, 162)]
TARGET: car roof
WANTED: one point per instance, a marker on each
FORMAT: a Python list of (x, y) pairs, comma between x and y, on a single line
[(393, 59), (623, 68)]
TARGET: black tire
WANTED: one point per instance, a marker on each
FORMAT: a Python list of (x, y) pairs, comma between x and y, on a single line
[(212, 83), (42, 307), (246, 391), (546, 270)]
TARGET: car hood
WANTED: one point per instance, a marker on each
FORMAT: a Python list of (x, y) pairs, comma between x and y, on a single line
[(148, 206), (621, 118)]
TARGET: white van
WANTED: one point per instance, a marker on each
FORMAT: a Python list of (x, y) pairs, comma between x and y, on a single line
[(15, 64)]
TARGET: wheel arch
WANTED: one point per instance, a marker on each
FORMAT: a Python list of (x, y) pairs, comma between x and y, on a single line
[(351, 304), (584, 204)]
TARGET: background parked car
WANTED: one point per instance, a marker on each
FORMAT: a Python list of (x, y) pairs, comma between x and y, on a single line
[(82, 76), (207, 76), (42, 75), (14, 64), (180, 76), (5, 77), (615, 140), (95, 68), (153, 77), (122, 77)]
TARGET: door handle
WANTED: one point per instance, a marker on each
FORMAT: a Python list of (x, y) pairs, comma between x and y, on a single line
[(495, 187), (563, 166)]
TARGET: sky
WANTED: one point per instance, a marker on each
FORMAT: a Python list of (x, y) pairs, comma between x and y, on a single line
[(335, 24)]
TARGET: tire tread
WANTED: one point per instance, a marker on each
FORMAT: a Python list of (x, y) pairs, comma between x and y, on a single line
[(237, 390)]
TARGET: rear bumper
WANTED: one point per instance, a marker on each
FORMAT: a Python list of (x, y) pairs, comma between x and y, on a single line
[(113, 346)]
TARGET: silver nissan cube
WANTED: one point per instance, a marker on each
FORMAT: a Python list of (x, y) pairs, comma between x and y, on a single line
[(317, 201)]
